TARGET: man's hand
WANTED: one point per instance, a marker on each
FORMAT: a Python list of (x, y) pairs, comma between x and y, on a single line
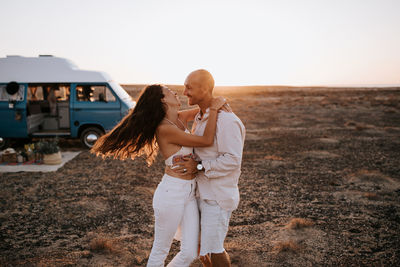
[(188, 165)]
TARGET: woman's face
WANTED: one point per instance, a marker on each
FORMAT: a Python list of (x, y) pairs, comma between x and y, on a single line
[(171, 98)]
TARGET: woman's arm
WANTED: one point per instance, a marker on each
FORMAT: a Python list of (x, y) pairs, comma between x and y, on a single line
[(188, 115), (176, 136)]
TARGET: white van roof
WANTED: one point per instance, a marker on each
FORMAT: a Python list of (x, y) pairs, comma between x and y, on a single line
[(46, 69)]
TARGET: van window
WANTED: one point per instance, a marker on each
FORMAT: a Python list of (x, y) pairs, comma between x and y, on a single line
[(5, 96), (35, 93), (62, 93), (94, 93), (40, 92)]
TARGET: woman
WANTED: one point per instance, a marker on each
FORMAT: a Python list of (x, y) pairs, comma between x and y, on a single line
[(156, 122)]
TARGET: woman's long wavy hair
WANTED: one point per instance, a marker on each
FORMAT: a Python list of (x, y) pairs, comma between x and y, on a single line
[(134, 135)]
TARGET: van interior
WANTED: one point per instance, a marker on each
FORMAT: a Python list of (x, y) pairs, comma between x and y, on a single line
[(48, 105), (48, 109)]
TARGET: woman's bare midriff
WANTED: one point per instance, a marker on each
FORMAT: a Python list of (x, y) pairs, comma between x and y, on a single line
[(188, 176)]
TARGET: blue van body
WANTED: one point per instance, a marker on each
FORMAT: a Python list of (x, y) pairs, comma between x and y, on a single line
[(10, 125), (48, 105)]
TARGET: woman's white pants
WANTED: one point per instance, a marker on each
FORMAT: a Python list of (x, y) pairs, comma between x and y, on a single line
[(176, 214)]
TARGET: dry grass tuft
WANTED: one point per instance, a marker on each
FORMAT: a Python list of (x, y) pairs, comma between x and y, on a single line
[(286, 246), (357, 125), (350, 124), (272, 157), (360, 127), (370, 195), (103, 245), (367, 176), (299, 223)]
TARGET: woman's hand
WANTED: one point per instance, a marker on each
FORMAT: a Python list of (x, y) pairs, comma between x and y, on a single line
[(226, 107), (222, 103), (217, 103), (186, 166)]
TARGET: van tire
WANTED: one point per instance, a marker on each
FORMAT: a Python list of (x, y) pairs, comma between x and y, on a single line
[(90, 135), (4, 142)]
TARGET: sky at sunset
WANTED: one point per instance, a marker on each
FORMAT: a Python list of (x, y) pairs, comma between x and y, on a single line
[(242, 42)]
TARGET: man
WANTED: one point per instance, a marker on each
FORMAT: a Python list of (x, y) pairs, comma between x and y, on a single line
[(218, 169)]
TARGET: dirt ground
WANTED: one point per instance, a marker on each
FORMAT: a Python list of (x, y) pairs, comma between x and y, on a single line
[(320, 186)]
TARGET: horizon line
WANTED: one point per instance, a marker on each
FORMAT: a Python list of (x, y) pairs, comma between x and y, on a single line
[(285, 85)]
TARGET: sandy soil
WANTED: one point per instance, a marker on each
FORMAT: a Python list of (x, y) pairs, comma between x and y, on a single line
[(320, 187)]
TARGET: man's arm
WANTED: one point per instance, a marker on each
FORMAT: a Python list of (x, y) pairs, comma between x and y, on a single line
[(230, 137)]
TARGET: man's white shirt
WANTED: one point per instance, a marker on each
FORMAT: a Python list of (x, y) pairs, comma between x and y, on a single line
[(222, 160)]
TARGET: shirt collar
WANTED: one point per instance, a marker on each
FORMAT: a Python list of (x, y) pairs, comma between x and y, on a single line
[(200, 116)]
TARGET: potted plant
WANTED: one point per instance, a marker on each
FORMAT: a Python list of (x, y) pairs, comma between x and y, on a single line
[(37, 151), (29, 152), (50, 151)]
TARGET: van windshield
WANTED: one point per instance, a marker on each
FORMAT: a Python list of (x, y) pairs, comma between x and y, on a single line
[(122, 94)]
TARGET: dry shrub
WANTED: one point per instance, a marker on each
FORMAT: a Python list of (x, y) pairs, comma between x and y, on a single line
[(324, 103), (350, 124), (299, 223), (286, 246), (102, 245), (370, 195), (272, 157), (360, 127), (390, 111), (47, 262), (370, 176)]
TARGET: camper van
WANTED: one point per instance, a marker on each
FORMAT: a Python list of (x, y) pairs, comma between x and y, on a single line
[(49, 96)]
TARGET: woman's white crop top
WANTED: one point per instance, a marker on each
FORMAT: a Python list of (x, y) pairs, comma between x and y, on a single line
[(184, 151)]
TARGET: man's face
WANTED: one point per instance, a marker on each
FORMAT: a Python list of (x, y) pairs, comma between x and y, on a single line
[(194, 90)]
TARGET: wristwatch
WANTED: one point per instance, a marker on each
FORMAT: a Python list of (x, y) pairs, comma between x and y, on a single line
[(200, 166)]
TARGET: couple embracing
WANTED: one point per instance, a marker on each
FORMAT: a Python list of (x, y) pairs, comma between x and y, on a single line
[(199, 189)]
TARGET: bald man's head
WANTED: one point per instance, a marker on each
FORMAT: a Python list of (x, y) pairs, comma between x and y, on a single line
[(203, 77), (199, 85)]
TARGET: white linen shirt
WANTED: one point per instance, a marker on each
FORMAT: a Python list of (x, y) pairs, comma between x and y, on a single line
[(222, 160)]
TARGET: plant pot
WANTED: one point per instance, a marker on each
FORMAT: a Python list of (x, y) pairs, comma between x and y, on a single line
[(52, 159)]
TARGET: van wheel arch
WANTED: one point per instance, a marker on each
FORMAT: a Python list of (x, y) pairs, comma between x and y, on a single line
[(90, 134)]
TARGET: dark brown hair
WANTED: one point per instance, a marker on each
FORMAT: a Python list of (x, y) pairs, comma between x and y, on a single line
[(134, 135)]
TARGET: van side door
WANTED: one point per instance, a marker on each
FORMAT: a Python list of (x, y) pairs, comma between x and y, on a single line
[(93, 104)]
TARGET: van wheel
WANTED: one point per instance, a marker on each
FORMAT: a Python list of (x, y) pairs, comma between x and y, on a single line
[(90, 135), (4, 142)]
